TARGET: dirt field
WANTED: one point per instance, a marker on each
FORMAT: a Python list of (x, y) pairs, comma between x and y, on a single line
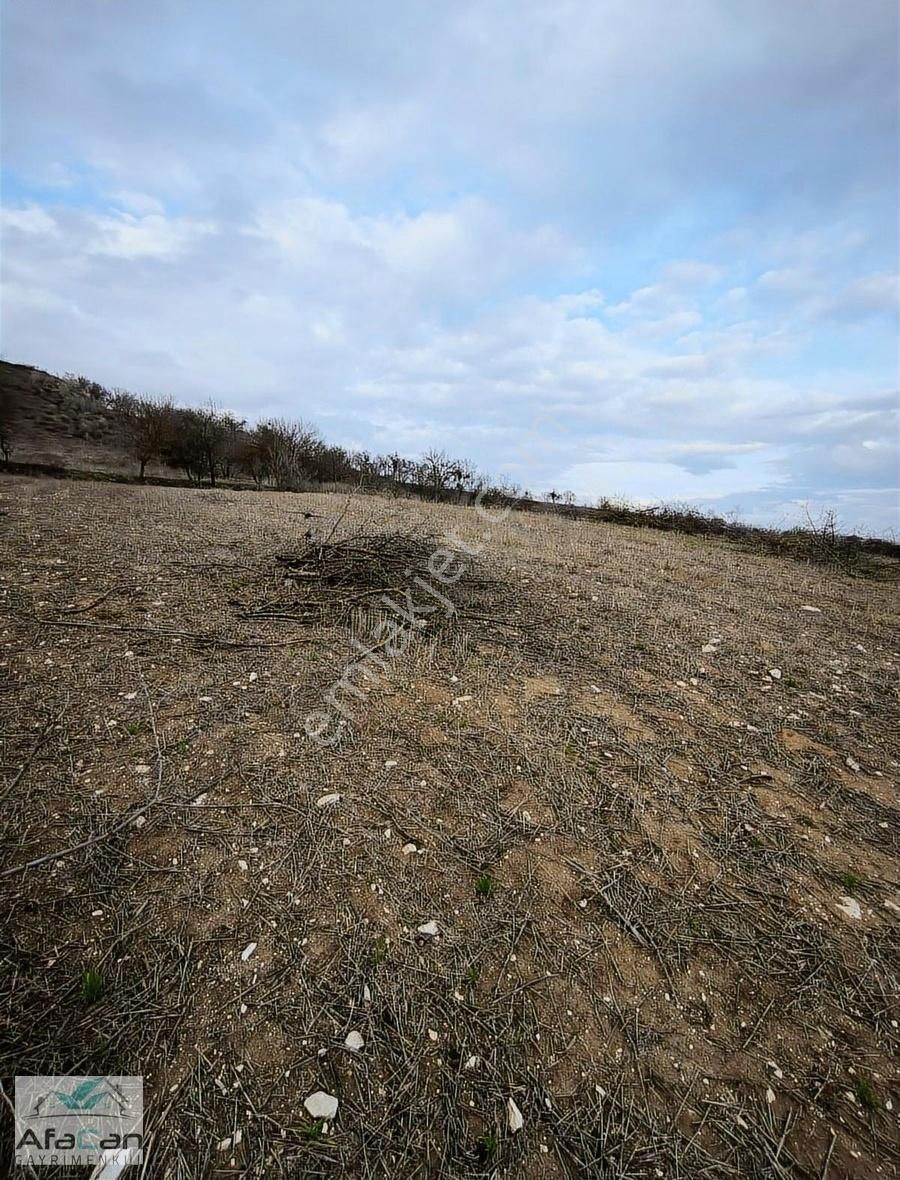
[(640, 790)]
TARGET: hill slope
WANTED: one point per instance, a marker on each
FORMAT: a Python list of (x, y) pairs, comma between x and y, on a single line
[(57, 418)]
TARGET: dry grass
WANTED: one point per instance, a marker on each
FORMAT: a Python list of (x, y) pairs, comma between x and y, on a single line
[(667, 835)]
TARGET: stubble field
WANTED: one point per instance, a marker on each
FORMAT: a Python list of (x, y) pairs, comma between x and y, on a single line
[(638, 790)]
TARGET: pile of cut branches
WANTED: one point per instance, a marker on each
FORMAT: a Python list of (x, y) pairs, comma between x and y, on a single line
[(411, 572)]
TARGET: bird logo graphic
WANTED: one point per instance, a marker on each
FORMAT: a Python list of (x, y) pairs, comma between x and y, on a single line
[(89, 1096)]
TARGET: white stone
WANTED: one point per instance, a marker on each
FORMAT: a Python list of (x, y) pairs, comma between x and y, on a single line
[(770, 1095), (231, 1141), (142, 768), (354, 1041), (811, 610), (775, 673), (709, 649), (850, 906), (328, 800), (409, 849), (472, 1062), (248, 950), (852, 764), (514, 1116), (390, 764), (321, 1105), (428, 929)]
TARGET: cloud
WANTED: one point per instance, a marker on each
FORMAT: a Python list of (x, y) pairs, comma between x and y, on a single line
[(668, 235)]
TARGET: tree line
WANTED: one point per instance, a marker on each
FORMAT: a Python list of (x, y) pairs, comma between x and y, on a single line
[(209, 444)]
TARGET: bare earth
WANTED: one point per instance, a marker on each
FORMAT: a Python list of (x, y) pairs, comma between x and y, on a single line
[(664, 879)]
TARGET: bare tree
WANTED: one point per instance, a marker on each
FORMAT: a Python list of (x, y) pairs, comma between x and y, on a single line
[(9, 416), (286, 452), (437, 468), (184, 445), (147, 424)]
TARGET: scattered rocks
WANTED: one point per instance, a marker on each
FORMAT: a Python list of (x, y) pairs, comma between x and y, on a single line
[(328, 800), (514, 1116), (248, 950), (354, 1041), (321, 1105), (852, 764)]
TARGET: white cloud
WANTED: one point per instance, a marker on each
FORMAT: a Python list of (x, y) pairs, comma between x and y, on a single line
[(30, 220), (153, 235)]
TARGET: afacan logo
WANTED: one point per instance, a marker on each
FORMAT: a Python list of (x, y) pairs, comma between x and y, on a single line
[(79, 1120)]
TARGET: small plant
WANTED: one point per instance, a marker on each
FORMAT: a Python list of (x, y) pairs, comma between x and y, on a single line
[(487, 1146), (485, 885), (91, 986), (311, 1131), (850, 880), (865, 1094), (473, 971), (381, 949)]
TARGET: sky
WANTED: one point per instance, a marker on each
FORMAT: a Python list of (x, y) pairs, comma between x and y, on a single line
[(622, 247)]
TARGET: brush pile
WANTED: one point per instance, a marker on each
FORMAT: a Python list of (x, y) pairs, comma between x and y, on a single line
[(370, 562), (329, 581)]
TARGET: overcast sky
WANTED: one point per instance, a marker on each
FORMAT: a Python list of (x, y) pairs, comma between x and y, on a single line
[(626, 247)]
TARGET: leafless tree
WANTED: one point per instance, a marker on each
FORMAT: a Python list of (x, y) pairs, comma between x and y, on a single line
[(284, 452), (147, 424), (9, 416), (437, 471)]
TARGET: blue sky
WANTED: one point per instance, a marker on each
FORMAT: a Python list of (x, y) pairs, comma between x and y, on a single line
[(627, 248)]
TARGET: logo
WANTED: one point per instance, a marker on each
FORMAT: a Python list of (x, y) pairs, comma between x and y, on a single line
[(79, 1121)]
